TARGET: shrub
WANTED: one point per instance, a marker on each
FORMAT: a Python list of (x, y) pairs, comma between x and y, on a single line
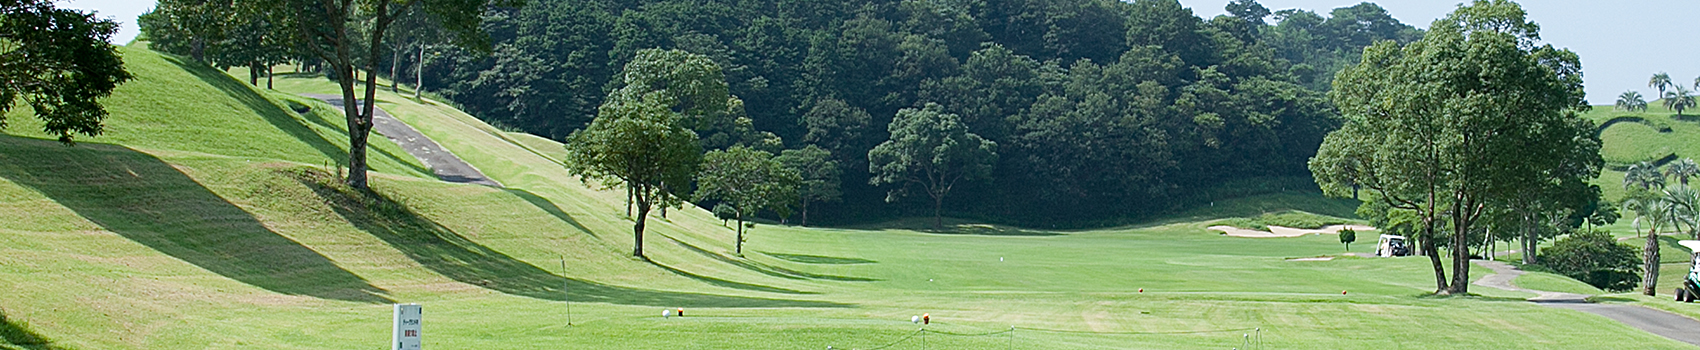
[(1595, 258)]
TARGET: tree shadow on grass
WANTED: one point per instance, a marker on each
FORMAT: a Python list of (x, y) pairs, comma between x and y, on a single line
[(148, 201), (550, 207), (280, 118), (766, 269), (18, 335), (449, 254)]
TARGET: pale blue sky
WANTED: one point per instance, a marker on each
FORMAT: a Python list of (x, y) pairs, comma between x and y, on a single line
[(1620, 41)]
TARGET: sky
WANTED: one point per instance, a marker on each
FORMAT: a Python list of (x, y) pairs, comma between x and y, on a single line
[(1621, 42)]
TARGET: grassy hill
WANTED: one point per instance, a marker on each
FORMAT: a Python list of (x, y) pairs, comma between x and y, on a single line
[(1658, 135), (209, 217)]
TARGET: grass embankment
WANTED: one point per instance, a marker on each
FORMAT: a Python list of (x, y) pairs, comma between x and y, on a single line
[(166, 244), (1290, 218)]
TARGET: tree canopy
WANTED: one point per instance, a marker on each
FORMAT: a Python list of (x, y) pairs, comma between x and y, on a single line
[(1104, 109), (58, 62), (638, 146), (1457, 122), (932, 150), (748, 180)]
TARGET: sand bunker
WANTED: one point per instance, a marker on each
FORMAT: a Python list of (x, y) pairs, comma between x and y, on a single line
[(1323, 258), (1278, 231)]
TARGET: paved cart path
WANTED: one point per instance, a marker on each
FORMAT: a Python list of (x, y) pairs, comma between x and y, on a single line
[(1668, 325), (445, 164)]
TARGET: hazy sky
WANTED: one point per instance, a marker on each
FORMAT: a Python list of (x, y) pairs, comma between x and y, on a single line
[(1622, 42)]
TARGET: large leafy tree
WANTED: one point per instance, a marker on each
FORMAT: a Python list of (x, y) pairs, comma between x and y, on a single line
[(640, 146), (346, 35), (58, 62), (1450, 124), (748, 180), (190, 27), (820, 176), (933, 150), (1631, 101)]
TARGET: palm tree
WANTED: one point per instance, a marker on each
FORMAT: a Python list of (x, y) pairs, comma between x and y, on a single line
[(1644, 175), (1682, 170), (1660, 81), (1655, 210), (1685, 209), (1631, 101), (1679, 99)]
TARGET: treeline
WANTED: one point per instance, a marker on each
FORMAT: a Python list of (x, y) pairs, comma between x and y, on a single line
[(1100, 109)]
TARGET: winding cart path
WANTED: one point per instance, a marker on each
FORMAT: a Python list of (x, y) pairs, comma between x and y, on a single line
[(1665, 324), (443, 163)]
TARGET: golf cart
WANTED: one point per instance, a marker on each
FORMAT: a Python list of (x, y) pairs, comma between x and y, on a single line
[(1690, 289), (1391, 246)]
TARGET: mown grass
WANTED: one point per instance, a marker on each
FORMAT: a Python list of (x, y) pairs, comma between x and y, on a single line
[(170, 247), (1555, 283), (1290, 218)]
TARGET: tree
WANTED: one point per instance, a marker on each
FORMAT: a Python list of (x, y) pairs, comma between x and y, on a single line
[(1679, 99), (837, 127), (1643, 175), (1425, 133), (1605, 213), (58, 62), (640, 147), (1660, 81), (931, 149), (1631, 101), (725, 213), (1595, 258), (188, 27), (332, 30), (750, 181), (1347, 236), (694, 87), (1656, 211), (820, 174), (1682, 170)]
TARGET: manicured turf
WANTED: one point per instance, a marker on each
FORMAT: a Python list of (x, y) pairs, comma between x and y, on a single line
[(1554, 283), (158, 244)]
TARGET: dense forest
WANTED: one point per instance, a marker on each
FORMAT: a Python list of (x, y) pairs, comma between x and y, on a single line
[(1096, 110), (1100, 109)]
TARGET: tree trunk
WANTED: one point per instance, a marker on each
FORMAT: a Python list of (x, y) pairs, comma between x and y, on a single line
[(395, 63), (938, 219), (739, 250), (269, 77), (419, 73), (1433, 255), (1650, 262), (254, 74), (805, 212), (1460, 249), (198, 49), (637, 231)]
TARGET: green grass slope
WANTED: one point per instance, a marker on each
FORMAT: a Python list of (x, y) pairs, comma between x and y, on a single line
[(137, 242)]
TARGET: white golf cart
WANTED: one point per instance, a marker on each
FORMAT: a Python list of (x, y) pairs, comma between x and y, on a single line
[(1391, 246), (1690, 288)]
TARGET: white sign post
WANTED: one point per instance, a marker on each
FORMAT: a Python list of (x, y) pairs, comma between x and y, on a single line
[(405, 334)]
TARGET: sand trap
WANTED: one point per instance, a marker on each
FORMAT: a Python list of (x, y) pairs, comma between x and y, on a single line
[(1324, 258), (1278, 231)]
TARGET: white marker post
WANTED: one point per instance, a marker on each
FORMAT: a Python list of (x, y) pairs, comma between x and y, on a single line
[(405, 334)]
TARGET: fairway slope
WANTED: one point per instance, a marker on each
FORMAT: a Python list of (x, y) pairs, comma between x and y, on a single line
[(212, 216)]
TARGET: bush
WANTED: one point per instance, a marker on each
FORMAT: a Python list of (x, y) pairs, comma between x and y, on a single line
[(1595, 258)]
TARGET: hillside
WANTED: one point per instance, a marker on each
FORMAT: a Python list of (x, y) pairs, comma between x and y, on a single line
[(226, 229), (1657, 135)]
